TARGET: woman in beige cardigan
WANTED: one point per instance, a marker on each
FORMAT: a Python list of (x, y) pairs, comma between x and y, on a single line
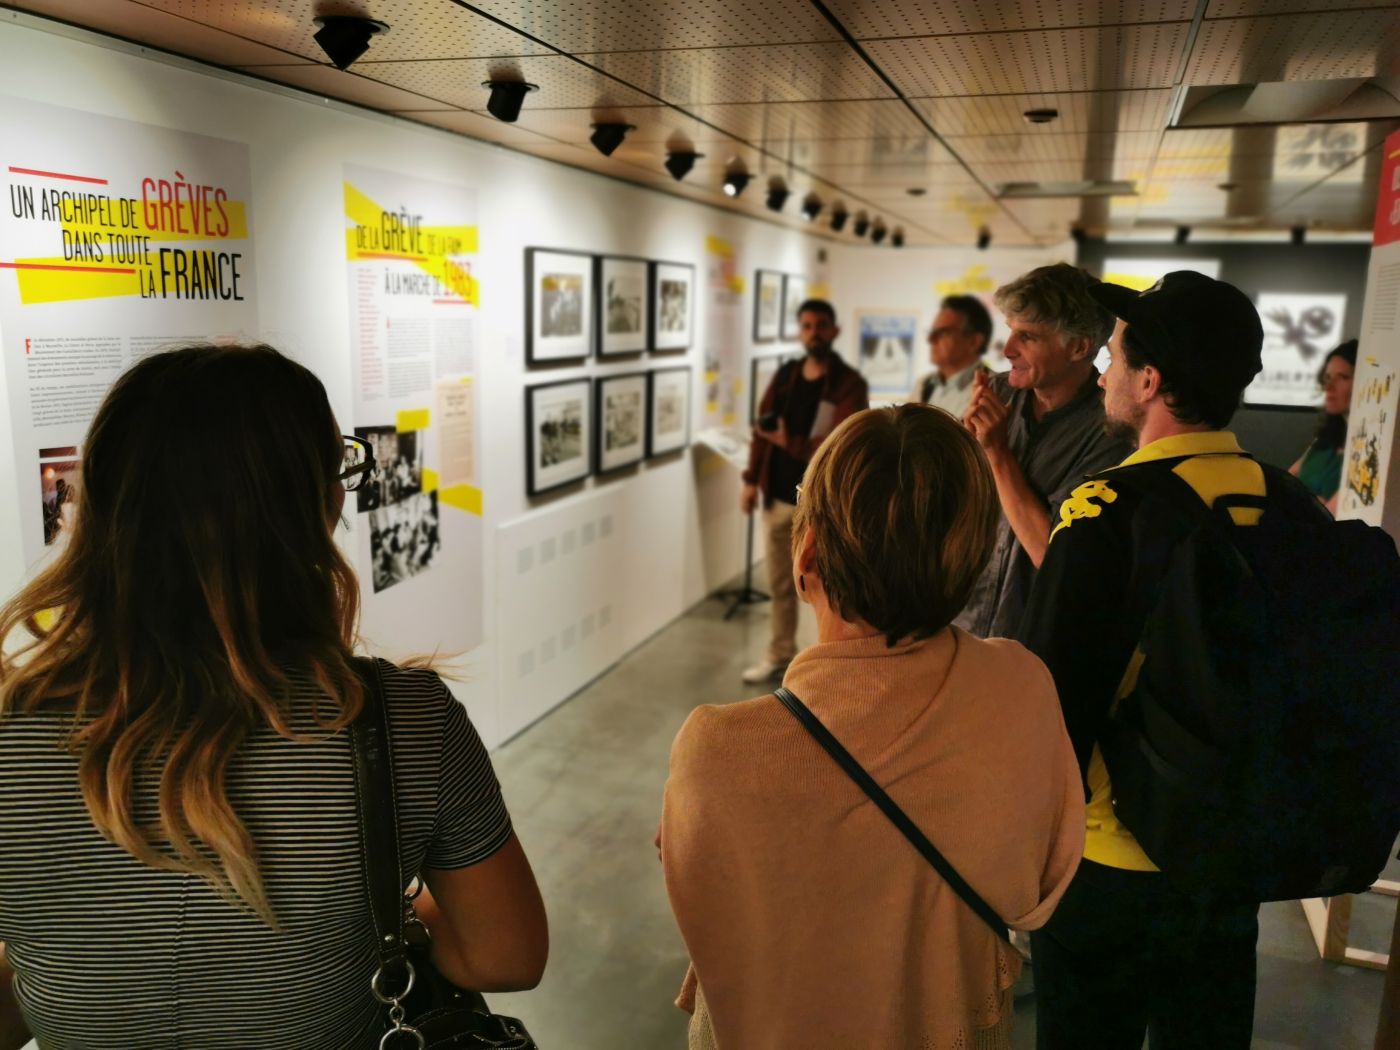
[(811, 921)]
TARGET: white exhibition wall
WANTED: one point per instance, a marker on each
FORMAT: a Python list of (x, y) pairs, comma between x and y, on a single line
[(568, 584)]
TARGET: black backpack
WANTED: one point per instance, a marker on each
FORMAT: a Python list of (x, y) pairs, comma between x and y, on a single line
[(1258, 756)]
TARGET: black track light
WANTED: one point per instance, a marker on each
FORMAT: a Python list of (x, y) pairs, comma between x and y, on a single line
[(607, 137), (507, 96), (839, 215), (1183, 234), (344, 38), (777, 193), (897, 238), (1078, 234), (878, 233), (1298, 234), (862, 224), (984, 239), (735, 182), (811, 206), (680, 162)]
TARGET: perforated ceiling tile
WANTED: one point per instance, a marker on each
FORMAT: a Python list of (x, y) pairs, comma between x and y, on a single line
[(1333, 46), (1051, 148), (1141, 56), (562, 82), (159, 29), (476, 125), (775, 122), (1081, 111), (346, 86), (901, 18), (1248, 8), (637, 25), (715, 76), (417, 28), (650, 123)]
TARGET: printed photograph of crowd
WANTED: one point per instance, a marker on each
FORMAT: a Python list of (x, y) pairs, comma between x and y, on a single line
[(60, 482), (398, 467), (404, 539)]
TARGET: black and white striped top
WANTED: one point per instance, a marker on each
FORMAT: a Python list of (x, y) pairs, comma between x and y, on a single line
[(112, 955)]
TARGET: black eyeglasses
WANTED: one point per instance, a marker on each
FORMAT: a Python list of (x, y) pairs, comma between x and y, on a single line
[(357, 463)]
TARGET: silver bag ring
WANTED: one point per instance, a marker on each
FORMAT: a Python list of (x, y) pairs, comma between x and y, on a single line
[(391, 1000), (403, 1030)]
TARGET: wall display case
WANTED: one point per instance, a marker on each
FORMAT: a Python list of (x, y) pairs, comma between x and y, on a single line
[(622, 420), (668, 417), (672, 305), (558, 305), (624, 306), (558, 434)]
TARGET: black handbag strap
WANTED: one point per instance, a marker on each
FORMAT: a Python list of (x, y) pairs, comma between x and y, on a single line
[(379, 830), (897, 816)]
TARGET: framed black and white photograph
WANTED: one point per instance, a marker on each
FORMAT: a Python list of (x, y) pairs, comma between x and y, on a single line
[(794, 293), (558, 305), (673, 305), (624, 318), (668, 423), (404, 539), (1299, 330), (558, 434), (767, 306), (622, 417)]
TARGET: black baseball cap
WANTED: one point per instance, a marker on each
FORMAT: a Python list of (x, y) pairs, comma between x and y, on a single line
[(1191, 327)]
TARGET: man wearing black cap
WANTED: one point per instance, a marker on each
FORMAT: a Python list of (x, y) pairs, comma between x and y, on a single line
[(1126, 952)]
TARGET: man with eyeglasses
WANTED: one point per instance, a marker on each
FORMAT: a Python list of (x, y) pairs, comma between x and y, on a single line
[(961, 333)]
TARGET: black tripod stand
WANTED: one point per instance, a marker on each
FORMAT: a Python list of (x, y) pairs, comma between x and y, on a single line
[(745, 595)]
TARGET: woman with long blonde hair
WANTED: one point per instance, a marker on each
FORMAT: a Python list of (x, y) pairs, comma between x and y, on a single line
[(180, 860)]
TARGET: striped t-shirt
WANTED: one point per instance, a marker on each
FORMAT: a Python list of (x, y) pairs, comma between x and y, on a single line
[(110, 954)]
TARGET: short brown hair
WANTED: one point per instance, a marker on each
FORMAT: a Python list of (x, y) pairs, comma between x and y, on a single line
[(904, 512)]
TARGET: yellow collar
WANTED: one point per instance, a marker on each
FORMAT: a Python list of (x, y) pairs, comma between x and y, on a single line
[(1197, 443)]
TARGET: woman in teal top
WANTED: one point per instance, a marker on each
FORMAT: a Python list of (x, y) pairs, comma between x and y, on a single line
[(1320, 468)]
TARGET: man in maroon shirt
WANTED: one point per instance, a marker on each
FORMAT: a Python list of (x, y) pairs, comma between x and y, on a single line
[(805, 402)]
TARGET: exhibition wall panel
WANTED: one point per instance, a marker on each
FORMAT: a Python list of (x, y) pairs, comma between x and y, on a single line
[(676, 533)]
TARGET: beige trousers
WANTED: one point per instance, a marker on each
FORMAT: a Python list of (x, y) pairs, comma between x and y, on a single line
[(777, 537)]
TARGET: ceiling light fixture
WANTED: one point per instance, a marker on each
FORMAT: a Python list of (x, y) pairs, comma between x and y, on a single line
[(1183, 234), (344, 38), (1041, 116), (839, 215), (680, 162), (862, 224), (897, 238), (916, 191), (777, 193), (1084, 188), (507, 96), (878, 233), (735, 182), (811, 206), (984, 239), (608, 136), (1078, 234)]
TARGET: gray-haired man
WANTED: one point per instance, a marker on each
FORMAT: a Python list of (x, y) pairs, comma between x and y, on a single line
[(1042, 427)]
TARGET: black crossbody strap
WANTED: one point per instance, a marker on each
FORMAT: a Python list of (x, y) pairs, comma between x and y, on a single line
[(379, 832), (897, 816)]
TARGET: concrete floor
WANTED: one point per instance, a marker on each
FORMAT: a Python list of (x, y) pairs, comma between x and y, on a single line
[(584, 788)]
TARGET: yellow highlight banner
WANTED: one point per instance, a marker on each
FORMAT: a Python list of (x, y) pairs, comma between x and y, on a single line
[(464, 497), (412, 419), (179, 224), (59, 281), (377, 233)]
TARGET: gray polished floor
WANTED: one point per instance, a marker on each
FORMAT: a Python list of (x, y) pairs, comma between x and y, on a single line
[(584, 787)]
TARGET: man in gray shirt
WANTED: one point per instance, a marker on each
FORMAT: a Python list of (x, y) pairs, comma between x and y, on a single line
[(1042, 428), (961, 331)]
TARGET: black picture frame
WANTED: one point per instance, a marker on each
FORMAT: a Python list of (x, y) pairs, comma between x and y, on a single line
[(581, 348), (535, 483), (642, 343), (668, 341), (601, 464), (656, 378), (771, 330)]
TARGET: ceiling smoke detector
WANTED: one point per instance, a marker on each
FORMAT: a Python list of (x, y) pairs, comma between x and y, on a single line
[(1041, 116)]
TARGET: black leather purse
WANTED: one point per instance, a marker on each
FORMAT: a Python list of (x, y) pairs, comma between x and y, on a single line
[(425, 1011)]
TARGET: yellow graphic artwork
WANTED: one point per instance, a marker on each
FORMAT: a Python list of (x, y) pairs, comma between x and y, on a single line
[(1081, 503), (377, 233), (974, 280)]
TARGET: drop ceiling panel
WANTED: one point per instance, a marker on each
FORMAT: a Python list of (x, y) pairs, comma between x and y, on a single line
[(634, 25), (780, 122), (868, 19), (156, 28), (1144, 56), (792, 73), (1032, 148), (476, 125), (347, 86), (417, 28), (1324, 46), (657, 124), (1082, 111), (562, 82), (1248, 8)]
